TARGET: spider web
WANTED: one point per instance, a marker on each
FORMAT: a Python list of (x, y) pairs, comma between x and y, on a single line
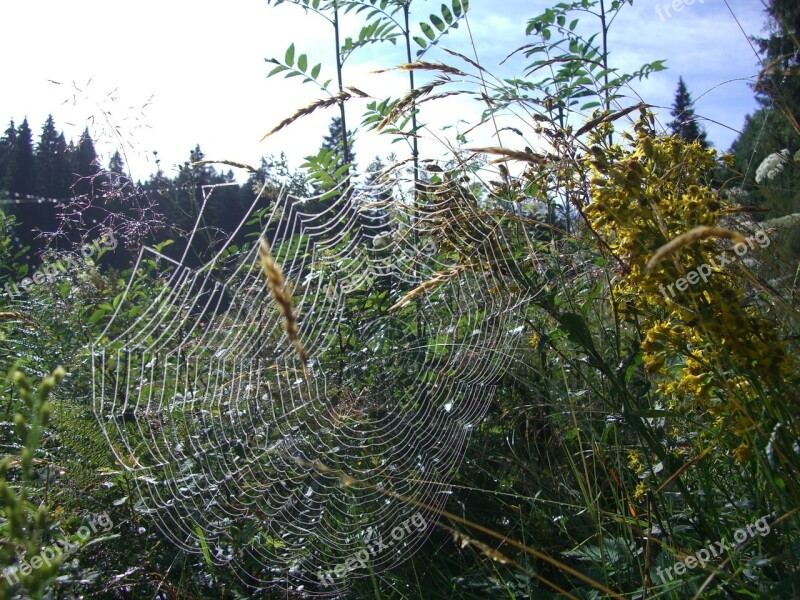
[(303, 476)]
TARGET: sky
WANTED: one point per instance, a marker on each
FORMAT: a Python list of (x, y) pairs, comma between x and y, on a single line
[(161, 76)]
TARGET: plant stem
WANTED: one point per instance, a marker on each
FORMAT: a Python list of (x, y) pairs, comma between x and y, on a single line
[(345, 142), (414, 141), (605, 27)]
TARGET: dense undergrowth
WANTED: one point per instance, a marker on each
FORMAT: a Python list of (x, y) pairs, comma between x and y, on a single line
[(652, 415)]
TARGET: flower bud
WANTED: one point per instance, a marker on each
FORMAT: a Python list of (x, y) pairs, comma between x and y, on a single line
[(19, 425)]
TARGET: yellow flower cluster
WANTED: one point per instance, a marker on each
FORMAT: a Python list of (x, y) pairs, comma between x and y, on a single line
[(534, 340), (635, 461), (645, 191), (641, 490)]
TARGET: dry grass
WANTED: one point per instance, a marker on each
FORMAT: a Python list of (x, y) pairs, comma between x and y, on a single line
[(339, 98), (282, 294), (698, 233), (428, 285)]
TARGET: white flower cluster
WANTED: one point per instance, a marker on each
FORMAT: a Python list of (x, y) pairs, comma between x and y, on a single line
[(772, 165)]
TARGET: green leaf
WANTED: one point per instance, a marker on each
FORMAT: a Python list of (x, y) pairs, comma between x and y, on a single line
[(428, 31), (337, 175), (658, 65), (97, 315), (635, 363), (573, 24), (438, 23), (289, 60), (202, 539), (577, 330), (421, 41), (315, 70), (448, 16), (302, 63), (457, 10), (276, 70)]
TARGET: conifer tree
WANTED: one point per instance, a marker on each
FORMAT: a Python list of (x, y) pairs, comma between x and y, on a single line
[(779, 86), (116, 165), (775, 127), (22, 178), (116, 175), (53, 169), (685, 123), (87, 168), (6, 155)]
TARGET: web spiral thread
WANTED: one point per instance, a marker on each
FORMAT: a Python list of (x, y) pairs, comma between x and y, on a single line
[(303, 476)]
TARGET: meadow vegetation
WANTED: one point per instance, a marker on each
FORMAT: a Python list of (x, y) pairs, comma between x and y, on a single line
[(652, 413)]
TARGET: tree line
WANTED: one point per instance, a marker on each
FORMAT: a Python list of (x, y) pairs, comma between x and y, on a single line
[(59, 193)]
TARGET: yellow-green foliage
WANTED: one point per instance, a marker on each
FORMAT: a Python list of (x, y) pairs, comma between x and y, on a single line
[(25, 527), (709, 350)]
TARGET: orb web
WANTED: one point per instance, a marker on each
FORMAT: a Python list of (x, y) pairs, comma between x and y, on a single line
[(303, 476)]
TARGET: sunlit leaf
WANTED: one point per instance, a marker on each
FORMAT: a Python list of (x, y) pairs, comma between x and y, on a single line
[(289, 59), (276, 70), (447, 14)]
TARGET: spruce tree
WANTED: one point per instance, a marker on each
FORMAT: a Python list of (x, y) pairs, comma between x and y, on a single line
[(779, 85), (32, 217), (53, 169), (87, 168), (775, 126), (22, 179), (118, 180), (116, 165), (6, 155), (685, 122)]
